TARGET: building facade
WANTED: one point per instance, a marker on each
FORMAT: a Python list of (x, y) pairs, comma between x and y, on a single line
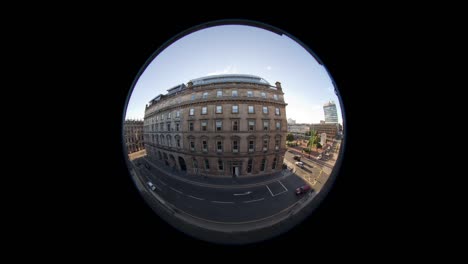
[(333, 131), (331, 114), (133, 134), (224, 125)]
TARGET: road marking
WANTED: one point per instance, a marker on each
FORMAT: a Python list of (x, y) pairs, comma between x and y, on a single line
[(283, 186), (251, 201), (176, 190), (243, 193), (163, 182), (195, 197), (269, 190), (221, 202)]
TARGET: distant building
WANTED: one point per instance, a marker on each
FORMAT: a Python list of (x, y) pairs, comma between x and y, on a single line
[(333, 131), (298, 128), (331, 115), (224, 125), (133, 134), (291, 121)]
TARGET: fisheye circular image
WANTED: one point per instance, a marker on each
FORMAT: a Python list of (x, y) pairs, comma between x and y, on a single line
[(233, 133)]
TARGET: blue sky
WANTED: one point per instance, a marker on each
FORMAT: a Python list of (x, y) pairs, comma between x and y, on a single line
[(242, 50)]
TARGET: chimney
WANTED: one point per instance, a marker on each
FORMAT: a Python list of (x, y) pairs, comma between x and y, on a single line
[(278, 86)]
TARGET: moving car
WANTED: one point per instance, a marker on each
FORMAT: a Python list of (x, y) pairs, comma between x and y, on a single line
[(151, 185), (299, 163), (303, 189)]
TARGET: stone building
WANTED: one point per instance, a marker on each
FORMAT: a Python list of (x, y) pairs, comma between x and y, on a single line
[(133, 135), (224, 125)]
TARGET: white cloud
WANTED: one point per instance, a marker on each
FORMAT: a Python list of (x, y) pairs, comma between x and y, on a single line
[(268, 67), (227, 70)]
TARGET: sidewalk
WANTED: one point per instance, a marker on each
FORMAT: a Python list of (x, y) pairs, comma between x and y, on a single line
[(200, 179)]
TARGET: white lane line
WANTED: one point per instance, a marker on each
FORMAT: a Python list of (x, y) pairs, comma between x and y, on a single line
[(251, 201), (221, 202), (269, 190), (243, 193), (283, 185), (176, 190), (195, 197)]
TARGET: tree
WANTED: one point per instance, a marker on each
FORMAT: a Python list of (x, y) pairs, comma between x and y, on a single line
[(313, 140), (289, 137), (307, 133)]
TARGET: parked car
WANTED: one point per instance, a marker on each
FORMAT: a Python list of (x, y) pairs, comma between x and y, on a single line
[(299, 164), (297, 157), (304, 189), (151, 185)]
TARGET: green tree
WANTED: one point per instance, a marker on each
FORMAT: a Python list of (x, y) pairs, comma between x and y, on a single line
[(313, 140), (289, 137)]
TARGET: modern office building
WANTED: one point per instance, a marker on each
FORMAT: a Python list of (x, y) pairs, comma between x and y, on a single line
[(133, 134), (331, 115), (225, 125)]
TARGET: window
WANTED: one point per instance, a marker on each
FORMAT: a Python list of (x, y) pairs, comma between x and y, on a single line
[(207, 164), (177, 126), (262, 167), (178, 142), (275, 96), (169, 127), (169, 141), (265, 144), (251, 125), (219, 125), (191, 126), (219, 109), (157, 118), (205, 145), (235, 125), (265, 109), (249, 166), (219, 146), (204, 125), (234, 93), (192, 111), (266, 125), (235, 146), (278, 125), (205, 95), (192, 145), (273, 166), (195, 164), (177, 114), (219, 93), (263, 95), (235, 109), (277, 112), (251, 109), (220, 165), (193, 97), (249, 94), (169, 116), (204, 110), (162, 117), (161, 127), (251, 145)]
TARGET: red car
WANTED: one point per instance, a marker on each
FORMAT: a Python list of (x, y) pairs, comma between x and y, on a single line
[(303, 189)]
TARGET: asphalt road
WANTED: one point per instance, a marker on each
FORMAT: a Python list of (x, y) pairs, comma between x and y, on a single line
[(224, 203)]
